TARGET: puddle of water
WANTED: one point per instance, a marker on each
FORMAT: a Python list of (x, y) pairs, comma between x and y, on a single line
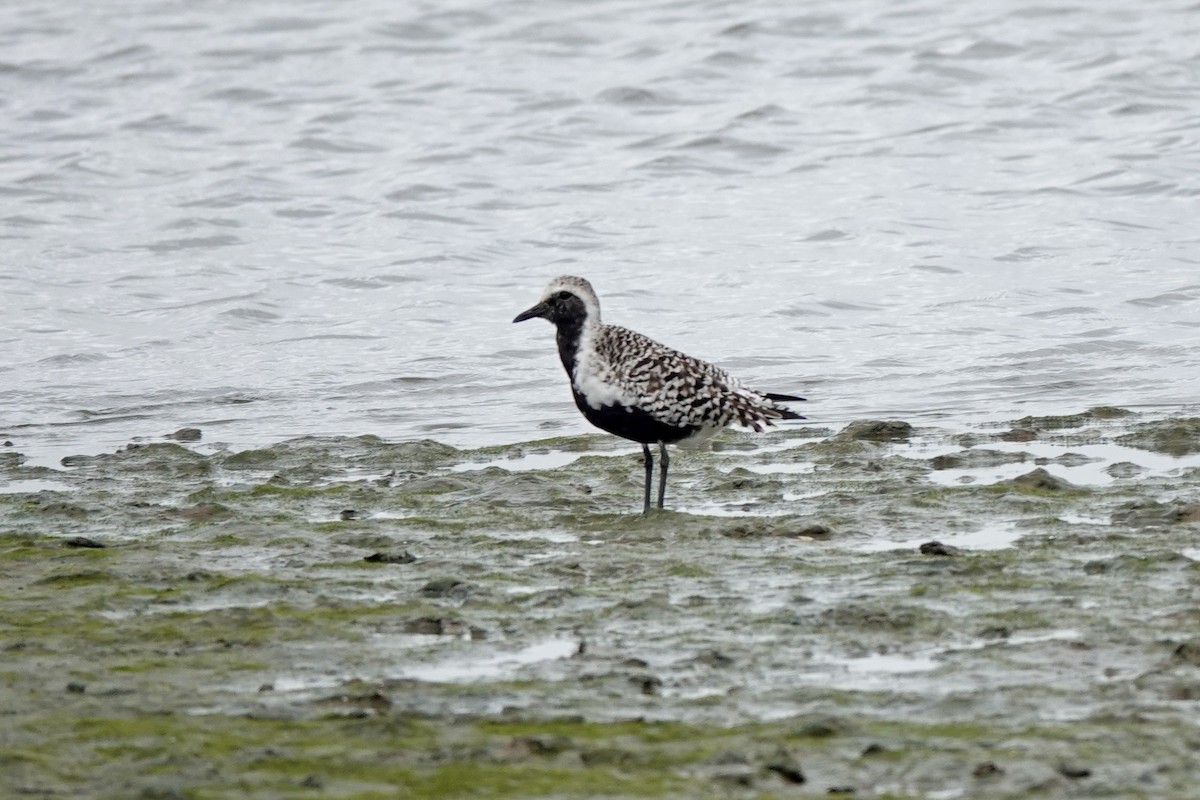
[(732, 508), (1017, 639), (791, 468), (1093, 473), (556, 536), (1082, 519), (878, 670), (886, 663), (989, 537), (463, 669)]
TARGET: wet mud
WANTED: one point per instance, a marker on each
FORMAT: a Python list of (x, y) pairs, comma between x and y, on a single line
[(884, 611)]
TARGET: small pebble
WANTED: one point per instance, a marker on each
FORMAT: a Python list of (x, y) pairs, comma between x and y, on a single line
[(986, 769), (82, 541), (403, 557), (789, 772), (938, 549)]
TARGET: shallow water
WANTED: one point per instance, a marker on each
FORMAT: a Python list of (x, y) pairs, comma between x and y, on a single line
[(275, 219)]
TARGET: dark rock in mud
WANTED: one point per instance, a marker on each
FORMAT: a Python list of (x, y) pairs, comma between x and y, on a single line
[(1042, 481), (185, 435), (1073, 771), (647, 684), (403, 557), (75, 687), (936, 548), (976, 459), (448, 587), (1176, 437), (986, 769), (83, 541), (1145, 513), (785, 764), (841, 790), (875, 430), (1187, 653), (1125, 469)]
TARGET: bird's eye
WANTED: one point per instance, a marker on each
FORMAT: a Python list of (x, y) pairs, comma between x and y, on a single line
[(563, 295)]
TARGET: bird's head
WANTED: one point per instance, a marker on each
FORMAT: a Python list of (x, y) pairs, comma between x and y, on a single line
[(567, 301)]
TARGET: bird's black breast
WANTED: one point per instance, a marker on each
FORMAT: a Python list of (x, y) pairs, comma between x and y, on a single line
[(632, 423)]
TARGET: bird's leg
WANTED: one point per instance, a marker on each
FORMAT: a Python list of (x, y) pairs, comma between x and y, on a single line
[(649, 476), (663, 462)]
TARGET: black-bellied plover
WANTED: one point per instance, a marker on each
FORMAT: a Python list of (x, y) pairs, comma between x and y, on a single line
[(630, 385)]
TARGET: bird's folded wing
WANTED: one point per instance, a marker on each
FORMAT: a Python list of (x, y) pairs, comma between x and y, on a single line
[(677, 389)]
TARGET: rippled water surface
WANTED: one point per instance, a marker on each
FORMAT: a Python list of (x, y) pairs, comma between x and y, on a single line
[(268, 219)]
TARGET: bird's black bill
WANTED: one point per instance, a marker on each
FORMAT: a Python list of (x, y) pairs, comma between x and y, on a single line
[(785, 398), (540, 310)]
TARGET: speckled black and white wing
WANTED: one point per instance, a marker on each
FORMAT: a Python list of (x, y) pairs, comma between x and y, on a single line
[(673, 387)]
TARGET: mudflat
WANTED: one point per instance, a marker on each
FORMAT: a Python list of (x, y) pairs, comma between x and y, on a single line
[(878, 611)]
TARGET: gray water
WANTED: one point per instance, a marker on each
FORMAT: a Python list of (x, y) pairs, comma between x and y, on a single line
[(269, 219)]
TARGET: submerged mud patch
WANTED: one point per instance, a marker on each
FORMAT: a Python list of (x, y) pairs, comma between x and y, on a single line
[(358, 618)]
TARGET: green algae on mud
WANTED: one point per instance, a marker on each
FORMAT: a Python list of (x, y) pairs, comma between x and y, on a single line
[(520, 632)]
